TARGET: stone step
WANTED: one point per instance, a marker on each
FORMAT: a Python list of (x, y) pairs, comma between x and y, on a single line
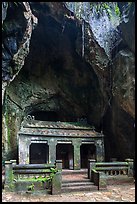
[(79, 183), (68, 189), (70, 172), (75, 180)]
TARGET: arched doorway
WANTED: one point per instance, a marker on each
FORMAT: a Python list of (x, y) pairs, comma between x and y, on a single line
[(64, 152), (87, 151), (39, 153)]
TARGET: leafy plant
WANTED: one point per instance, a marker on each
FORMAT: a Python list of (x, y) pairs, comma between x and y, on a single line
[(84, 9), (51, 175), (30, 187), (44, 179), (117, 11)]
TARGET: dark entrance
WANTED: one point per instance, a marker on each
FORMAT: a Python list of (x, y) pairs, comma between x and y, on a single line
[(87, 151), (38, 153), (64, 152), (45, 115)]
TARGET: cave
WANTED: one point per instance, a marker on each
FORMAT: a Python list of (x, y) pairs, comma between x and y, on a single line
[(55, 82), (55, 78)]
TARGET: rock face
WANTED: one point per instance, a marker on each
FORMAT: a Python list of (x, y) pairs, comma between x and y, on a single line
[(16, 35), (129, 22), (124, 81), (54, 77), (123, 108), (17, 30)]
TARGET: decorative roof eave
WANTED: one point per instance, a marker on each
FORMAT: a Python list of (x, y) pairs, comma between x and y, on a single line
[(30, 122), (59, 133)]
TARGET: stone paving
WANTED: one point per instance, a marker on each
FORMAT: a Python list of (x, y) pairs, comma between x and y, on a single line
[(114, 193), (117, 191)]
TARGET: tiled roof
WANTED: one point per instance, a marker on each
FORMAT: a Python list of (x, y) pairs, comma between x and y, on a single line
[(60, 129), (56, 125)]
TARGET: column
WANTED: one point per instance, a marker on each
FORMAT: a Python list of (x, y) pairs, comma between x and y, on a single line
[(77, 162), (99, 150), (91, 165), (13, 161), (58, 164), (130, 167), (24, 145), (102, 181), (8, 176), (56, 184), (52, 150)]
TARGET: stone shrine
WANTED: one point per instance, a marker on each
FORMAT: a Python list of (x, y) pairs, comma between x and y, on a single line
[(47, 141)]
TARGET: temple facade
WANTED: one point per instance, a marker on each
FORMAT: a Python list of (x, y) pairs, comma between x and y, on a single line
[(46, 141)]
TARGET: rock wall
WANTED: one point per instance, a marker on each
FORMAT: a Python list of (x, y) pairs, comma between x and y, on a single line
[(120, 117), (50, 74), (16, 35), (17, 25)]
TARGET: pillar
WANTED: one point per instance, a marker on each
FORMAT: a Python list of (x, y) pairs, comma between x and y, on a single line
[(99, 150), (130, 167), (14, 162), (58, 164), (56, 183), (91, 165), (57, 179), (24, 145), (102, 181), (77, 162), (8, 176), (52, 150)]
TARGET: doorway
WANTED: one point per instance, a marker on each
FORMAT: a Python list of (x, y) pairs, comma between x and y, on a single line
[(39, 153), (64, 152), (87, 151)]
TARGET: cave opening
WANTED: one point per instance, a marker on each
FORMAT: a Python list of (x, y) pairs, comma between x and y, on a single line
[(63, 83), (45, 115), (55, 116)]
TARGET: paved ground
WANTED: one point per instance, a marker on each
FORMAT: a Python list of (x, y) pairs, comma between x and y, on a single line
[(114, 193)]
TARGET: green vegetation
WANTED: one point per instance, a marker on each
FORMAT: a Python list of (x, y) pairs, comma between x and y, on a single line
[(117, 11), (41, 179), (85, 9), (30, 187)]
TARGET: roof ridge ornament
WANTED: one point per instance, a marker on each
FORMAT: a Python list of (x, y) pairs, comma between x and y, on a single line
[(27, 119), (30, 117)]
